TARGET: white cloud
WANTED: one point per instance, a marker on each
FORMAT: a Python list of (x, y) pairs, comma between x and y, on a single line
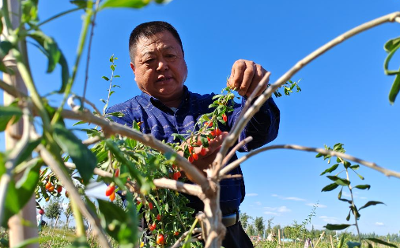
[(283, 209), (328, 219), (291, 198), (258, 203), (318, 205), (294, 198), (252, 194), (379, 224), (271, 213)]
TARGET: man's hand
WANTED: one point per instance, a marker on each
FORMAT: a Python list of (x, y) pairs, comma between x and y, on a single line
[(204, 161), (245, 77)]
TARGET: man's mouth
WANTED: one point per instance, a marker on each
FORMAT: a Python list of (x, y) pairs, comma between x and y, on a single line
[(164, 78)]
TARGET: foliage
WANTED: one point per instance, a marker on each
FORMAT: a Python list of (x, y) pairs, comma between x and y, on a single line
[(53, 209), (344, 182), (259, 225)]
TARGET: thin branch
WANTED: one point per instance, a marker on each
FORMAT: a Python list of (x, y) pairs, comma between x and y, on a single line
[(371, 165), (179, 186), (92, 140), (88, 53), (72, 105), (13, 159), (234, 134), (230, 176), (165, 183), (58, 15), (149, 140), (69, 186), (237, 147)]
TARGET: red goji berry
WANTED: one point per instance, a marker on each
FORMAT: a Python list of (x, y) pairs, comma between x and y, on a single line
[(176, 175), (110, 189)]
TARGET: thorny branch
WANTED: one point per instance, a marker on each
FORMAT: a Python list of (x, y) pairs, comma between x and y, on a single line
[(234, 134), (371, 165)]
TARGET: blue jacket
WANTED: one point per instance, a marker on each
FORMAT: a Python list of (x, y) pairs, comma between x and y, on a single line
[(160, 121)]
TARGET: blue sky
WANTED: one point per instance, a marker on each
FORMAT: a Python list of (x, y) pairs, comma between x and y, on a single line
[(344, 94)]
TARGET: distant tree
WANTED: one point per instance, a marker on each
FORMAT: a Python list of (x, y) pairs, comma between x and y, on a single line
[(53, 210), (259, 225), (68, 213), (251, 231), (269, 226), (244, 219)]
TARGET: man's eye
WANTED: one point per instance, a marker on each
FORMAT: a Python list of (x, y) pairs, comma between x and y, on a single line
[(149, 61), (170, 56)]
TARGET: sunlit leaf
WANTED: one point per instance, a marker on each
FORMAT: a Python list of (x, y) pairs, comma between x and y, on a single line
[(83, 158), (124, 4), (27, 242), (371, 203)]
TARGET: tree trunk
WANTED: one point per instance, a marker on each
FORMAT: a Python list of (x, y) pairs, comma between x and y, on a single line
[(17, 231)]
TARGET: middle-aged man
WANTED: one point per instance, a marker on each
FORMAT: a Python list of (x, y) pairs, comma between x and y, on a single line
[(166, 106)]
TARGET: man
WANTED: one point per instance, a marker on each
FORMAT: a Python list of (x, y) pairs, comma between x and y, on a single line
[(166, 106)]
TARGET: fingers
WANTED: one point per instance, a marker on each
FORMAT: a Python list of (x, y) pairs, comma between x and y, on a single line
[(258, 76), (245, 76)]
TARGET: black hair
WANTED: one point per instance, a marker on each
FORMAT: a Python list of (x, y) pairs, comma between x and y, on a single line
[(148, 29)]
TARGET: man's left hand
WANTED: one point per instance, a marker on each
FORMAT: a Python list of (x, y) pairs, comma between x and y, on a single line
[(245, 77)]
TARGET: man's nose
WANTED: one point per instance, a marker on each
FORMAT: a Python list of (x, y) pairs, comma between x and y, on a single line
[(162, 65)]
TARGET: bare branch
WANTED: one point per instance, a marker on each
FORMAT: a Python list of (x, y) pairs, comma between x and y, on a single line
[(237, 147), (92, 140), (72, 105), (67, 183), (179, 186), (149, 140), (232, 137), (371, 165)]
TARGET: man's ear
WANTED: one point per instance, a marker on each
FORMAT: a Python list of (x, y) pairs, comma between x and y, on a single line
[(133, 67)]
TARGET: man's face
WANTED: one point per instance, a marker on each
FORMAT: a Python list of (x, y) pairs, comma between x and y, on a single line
[(159, 67)]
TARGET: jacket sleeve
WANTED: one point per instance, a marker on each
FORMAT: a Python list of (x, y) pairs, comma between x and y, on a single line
[(263, 127)]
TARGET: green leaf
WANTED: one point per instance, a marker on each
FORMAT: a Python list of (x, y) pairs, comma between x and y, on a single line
[(5, 47), (341, 242), (353, 244), (79, 123), (371, 203), (27, 152), (329, 170), (363, 186), (117, 222), (9, 114), (395, 89), (137, 4), (381, 242), (12, 203), (355, 167), (334, 227), (392, 44), (83, 158), (105, 78), (116, 114), (330, 187), (54, 55), (340, 181), (348, 216), (80, 3), (346, 164)]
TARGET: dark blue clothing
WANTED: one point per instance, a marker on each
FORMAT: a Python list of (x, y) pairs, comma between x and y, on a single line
[(162, 122)]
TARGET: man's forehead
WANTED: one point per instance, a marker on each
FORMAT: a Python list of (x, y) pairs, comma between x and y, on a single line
[(160, 41)]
